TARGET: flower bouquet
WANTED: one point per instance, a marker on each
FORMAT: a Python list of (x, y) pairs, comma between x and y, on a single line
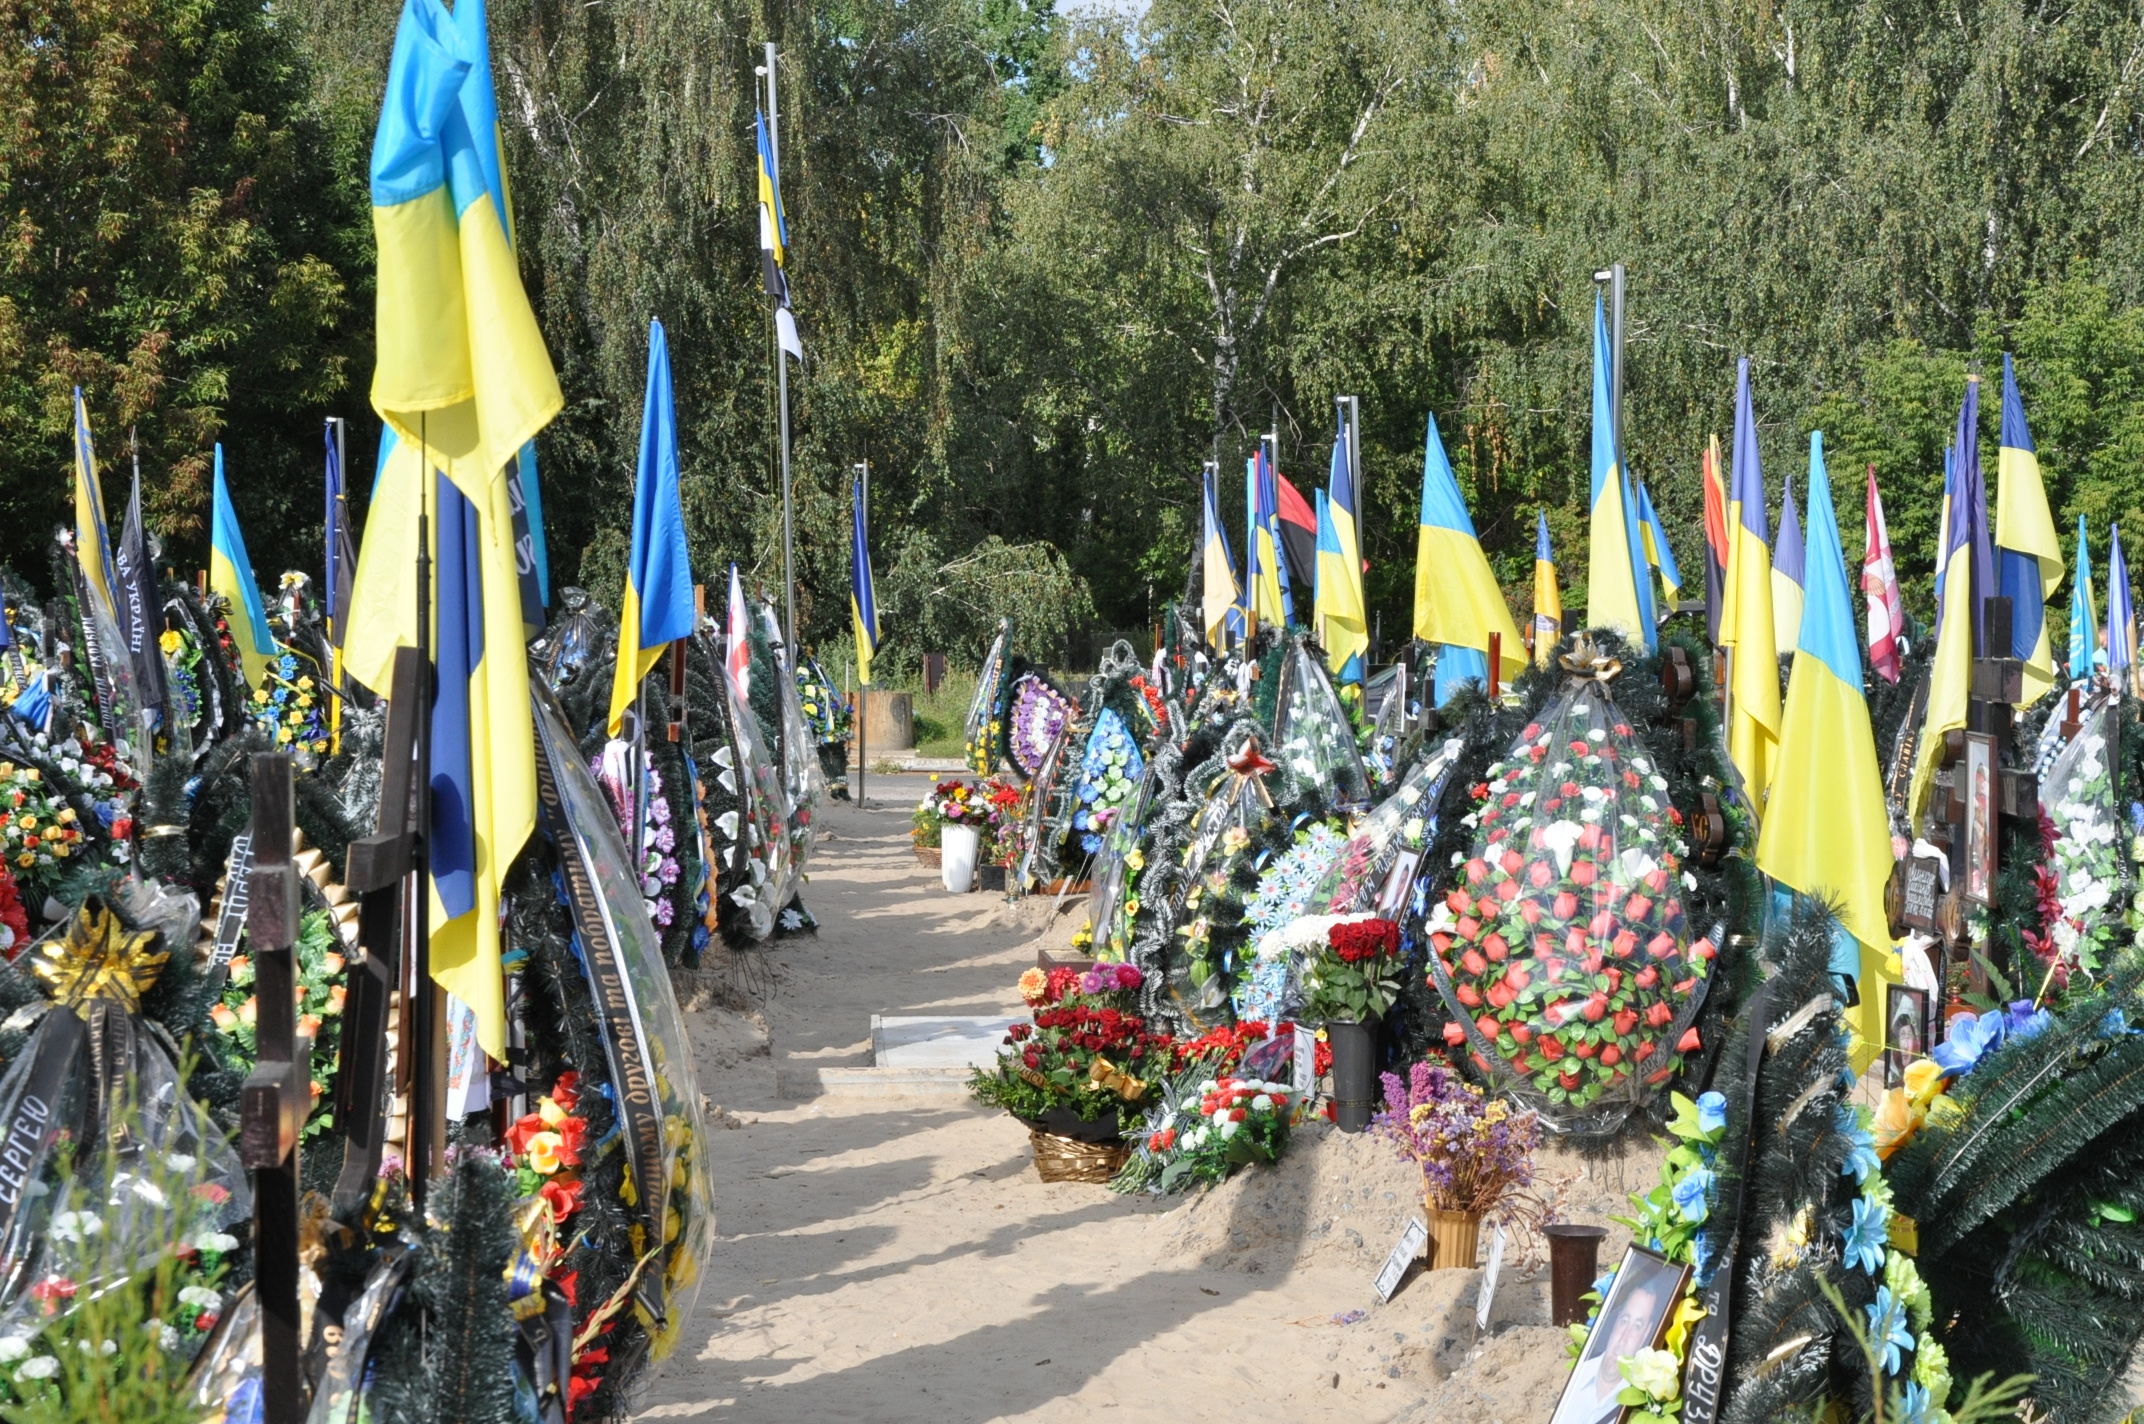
[(949, 803), (1083, 1066), (1475, 1154), (1562, 952), (1108, 775), (1205, 1126), (1356, 975)]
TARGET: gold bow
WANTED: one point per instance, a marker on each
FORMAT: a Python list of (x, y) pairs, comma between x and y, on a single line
[(1587, 659), (99, 958), (1104, 1074)]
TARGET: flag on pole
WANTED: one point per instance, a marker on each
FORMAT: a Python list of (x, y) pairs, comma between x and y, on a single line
[(139, 603), (1826, 832), (1618, 595), (340, 568), (2084, 620), (1269, 507), (1343, 620), (1746, 623), (1298, 524), (1715, 539), (774, 242), (1548, 599), (230, 573), (657, 606), (1265, 589), (1950, 676), (1787, 561), (1658, 556), (1457, 602), (863, 594), (2028, 556), (2121, 616), (1879, 581), (737, 647), (92, 537), (537, 552), (463, 383), (1219, 601)]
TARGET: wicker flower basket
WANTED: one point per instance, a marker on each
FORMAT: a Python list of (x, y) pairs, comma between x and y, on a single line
[(1067, 1159)]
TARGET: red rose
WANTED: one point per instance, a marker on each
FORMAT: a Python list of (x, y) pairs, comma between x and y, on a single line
[(1457, 902), (1625, 944), (1568, 1081), (1540, 875), (1511, 862), (1551, 1048), (1500, 995), (1630, 779), (1568, 789), (1637, 907), (1469, 928), (1474, 963), (1531, 910), (1647, 977), (1656, 880), (1593, 962), (1703, 948), (1574, 942), (564, 1197), (1611, 1055), (1536, 754), (1674, 816), (1644, 1050), (1596, 1007), (1487, 1026), (1518, 977), (1522, 1033), (1625, 1021), (1507, 891), (517, 1136), (1467, 996), (1689, 1042), (1442, 941), (1585, 1050), (1533, 729), (1589, 836), (1615, 979), (1659, 1015), (1583, 873), (1454, 1034), (1490, 907), (1476, 870), (1566, 905), (1600, 925), (1495, 948)]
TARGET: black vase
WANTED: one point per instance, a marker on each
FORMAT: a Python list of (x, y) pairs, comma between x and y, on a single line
[(1354, 1048)]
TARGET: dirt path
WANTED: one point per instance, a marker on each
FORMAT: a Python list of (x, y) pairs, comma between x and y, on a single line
[(896, 1259)]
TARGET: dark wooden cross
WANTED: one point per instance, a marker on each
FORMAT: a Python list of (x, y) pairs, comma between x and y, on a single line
[(278, 1092)]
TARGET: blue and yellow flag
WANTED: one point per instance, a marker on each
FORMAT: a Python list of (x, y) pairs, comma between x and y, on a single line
[(92, 537), (1342, 615), (863, 594), (1264, 592), (1746, 623), (2028, 558), (1658, 555), (1548, 598), (230, 573), (1457, 602), (1950, 673), (1276, 552), (774, 241), (2084, 619), (1618, 595), (1219, 608), (463, 383), (1826, 832), (1787, 562), (2121, 616), (657, 608)]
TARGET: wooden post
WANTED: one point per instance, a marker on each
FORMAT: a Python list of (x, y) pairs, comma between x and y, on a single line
[(1496, 663), (277, 1094)]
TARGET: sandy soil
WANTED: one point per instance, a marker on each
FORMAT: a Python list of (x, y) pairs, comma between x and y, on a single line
[(896, 1259)]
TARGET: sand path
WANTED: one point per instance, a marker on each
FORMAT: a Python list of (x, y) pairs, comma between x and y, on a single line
[(896, 1259)]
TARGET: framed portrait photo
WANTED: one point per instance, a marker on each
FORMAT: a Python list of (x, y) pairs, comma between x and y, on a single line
[(1982, 798), (1634, 1317), (1399, 881), (1905, 1031)]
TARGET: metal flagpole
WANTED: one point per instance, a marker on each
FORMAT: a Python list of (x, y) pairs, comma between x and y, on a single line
[(863, 696), (335, 593), (426, 1006), (781, 367)]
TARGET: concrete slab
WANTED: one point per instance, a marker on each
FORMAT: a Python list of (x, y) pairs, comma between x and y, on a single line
[(938, 1040)]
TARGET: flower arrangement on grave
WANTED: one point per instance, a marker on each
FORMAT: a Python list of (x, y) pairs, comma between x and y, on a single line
[(318, 959), (1475, 1153), (1109, 773), (289, 707), (949, 803), (1039, 712), (14, 916), (1355, 976), (1085, 1050), (826, 713), (544, 1150), (2077, 881), (1004, 810), (39, 831), (1205, 1125), (1562, 952)]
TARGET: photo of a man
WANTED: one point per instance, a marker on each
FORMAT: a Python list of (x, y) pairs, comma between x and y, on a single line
[(1631, 1319)]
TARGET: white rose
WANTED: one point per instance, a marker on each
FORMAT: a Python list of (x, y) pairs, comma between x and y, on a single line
[(13, 1348), (42, 1367)]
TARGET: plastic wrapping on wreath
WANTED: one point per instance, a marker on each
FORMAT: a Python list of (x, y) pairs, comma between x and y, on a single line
[(1388, 691), (1039, 712), (1110, 904), (2085, 861), (1312, 738), (146, 1165), (802, 779), (1382, 860), (762, 835), (1049, 806), (574, 640), (984, 731), (1230, 819), (1109, 772), (1562, 950)]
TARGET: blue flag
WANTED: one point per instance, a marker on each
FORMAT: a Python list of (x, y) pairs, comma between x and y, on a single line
[(658, 607)]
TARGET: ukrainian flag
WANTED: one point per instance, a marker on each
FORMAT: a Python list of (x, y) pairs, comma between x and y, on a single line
[(1617, 595), (657, 608), (1746, 623), (92, 538), (1266, 594), (1219, 602), (230, 573), (863, 595), (1787, 573), (1457, 602), (463, 382), (1950, 674), (1275, 552), (1658, 555), (1826, 832), (2028, 559), (2121, 616), (1548, 599), (2084, 620), (1343, 622)]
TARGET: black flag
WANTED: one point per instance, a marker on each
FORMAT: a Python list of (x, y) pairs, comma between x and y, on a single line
[(136, 596)]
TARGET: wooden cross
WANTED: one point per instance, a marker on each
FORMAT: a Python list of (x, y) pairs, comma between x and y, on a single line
[(278, 1092)]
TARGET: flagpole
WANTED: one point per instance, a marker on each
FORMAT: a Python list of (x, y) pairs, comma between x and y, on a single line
[(335, 628), (781, 367), (424, 999), (863, 696)]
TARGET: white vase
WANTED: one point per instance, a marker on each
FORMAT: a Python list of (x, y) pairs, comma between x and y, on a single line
[(960, 846)]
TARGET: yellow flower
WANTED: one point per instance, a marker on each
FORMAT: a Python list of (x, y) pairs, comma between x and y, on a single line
[(1897, 1119), (282, 734), (551, 1113), (260, 695), (58, 848), (1924, 1079), (66, 816), (27, 821), (305, 682), (305, 699), (26, 859), (171, 642), (543, 1152)]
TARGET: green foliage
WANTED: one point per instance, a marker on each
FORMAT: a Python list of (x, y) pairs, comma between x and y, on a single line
[(930, 602)]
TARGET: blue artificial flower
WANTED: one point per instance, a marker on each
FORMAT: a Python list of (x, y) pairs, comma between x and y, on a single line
[(2116, 1024), (1711, 1112), (1866, 1237), (1861, 1156), (1703, 1258), (2023, 1020), (1887, 1329), (1689, 1194), (1606, 1282), (1971, 1035), (1915, 1407), (2136, 817)]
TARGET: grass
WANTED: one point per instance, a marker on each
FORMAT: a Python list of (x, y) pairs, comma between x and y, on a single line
[(941, 718)]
